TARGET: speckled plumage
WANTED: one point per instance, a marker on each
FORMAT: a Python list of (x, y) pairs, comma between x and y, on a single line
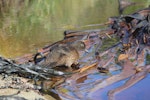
[(61, 55)]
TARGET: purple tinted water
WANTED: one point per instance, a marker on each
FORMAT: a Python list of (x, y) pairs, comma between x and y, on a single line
[(139, 91)]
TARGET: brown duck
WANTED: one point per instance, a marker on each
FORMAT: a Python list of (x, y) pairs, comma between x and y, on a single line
[(59, 55)]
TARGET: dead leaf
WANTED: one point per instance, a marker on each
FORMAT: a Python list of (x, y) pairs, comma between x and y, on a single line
[(123, 57)]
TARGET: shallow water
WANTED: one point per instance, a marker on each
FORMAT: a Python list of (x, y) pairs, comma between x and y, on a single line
[(27, 26), (140, 91), (40, 23)]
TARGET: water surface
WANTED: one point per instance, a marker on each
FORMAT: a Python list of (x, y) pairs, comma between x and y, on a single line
[(29, 25)]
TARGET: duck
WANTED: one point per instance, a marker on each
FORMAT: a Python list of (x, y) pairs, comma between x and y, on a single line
[(60, 55)]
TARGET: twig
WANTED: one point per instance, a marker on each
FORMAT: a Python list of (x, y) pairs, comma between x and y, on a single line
[(86, 68)]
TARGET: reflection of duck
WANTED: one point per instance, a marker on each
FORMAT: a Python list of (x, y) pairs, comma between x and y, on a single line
[(124, 4), (59, 55)]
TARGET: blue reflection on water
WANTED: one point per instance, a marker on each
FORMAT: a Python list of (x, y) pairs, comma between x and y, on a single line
[(139, 91), (102, 93)]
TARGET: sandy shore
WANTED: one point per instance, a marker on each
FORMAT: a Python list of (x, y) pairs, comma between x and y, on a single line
[(10, 89)]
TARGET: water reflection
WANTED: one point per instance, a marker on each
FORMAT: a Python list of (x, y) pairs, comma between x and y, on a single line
[(140, 90), (31, 24)]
